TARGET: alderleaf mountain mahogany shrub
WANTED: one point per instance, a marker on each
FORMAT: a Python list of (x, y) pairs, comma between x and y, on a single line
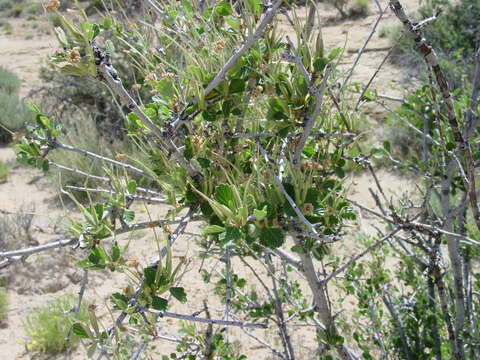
[(251, 131)]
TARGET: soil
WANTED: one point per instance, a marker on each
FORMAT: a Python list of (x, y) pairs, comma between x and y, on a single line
[(39, 279)]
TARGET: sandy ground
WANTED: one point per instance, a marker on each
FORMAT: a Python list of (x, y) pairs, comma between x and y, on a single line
[(42, 277)]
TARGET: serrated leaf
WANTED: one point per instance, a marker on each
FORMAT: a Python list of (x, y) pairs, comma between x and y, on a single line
[(225, 196), (179, 294), (128, 215), (159, 303), (232, 234), (80, 331)]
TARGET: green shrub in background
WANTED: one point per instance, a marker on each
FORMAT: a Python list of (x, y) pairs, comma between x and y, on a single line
[(454, 36), (9, 82), (418, 115), (358, 8), (47, 328), (14, 114), (3, 305), (3, 171)]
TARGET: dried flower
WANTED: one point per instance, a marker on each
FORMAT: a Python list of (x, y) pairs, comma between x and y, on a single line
[(167, 229), (52, 5), (150, 77), (74, 55), (136, 87), (219, 45), (307, 208), (120, 157), (133, 263), (167, 75)]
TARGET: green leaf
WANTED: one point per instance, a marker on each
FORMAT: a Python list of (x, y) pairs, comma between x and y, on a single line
[(334, 53), (319, 64), (187, 6), (204, 163), (272, 237), (132, 187), (107, 22), (224, 8), (115, 253), (159, 303), (260, 214), (150, 274), (387, 146), (213, 229), (378, 153), (179, 294), (224, 195), (236, 86), (232, 234), (128, 215), (80, 331), (188, 152)]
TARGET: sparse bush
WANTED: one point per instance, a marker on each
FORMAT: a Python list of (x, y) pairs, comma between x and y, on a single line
[(13, 117), (14, 113), (16, 229), (9, 82), (358, 8), (3, 306), (3, 172), (47, 327)]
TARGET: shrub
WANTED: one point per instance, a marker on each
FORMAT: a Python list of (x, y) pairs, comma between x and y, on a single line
[(13, 117), (340, 6), (3, 305), (9, 82), (454, 36), (3, 172), (47, 327), (358, 8)]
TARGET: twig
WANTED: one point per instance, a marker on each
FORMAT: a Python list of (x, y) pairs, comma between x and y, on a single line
[(128, 196), (103, 158), (360, 255), (201, 319), (362, 50)]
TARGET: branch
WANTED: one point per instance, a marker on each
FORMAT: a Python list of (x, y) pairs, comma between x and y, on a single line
[(360, 255), (109, 73), (203, 320), (362, 50), (128, 196), (103, 158)]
